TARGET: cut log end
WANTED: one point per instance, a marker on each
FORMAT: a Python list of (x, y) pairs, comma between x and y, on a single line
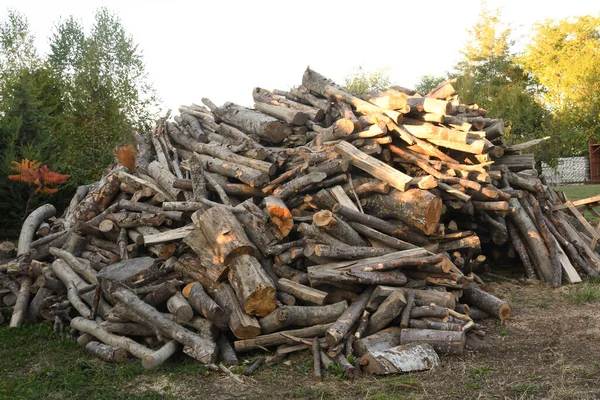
[(262, 302)]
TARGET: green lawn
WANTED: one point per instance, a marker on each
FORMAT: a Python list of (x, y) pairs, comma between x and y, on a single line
[(577, 192), (34, 364)]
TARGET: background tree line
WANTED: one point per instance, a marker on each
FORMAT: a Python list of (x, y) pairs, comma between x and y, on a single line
[(68, 109), (549, 88)]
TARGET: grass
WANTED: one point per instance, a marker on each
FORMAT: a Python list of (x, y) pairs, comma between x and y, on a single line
[(585, 293), (577, 192), (37, 365)]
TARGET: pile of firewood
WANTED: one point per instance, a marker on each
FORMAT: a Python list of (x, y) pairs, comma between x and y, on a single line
[(352, 226)]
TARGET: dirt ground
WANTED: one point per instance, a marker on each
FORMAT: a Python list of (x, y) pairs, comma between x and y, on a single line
[(549, 348)]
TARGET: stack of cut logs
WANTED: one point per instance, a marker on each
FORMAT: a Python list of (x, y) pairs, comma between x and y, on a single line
[(352, 226)]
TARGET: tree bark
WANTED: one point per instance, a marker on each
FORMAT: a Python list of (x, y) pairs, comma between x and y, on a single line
[(416, 207), (30, 226), (205, 305), (106, 353), (344, 323), (484, 301), (253, 122), (443, 342), (252, 285), (373, 166), (242, 325), (225, 234), (286, 316), (386, 312), (200, 348), (274, 339)]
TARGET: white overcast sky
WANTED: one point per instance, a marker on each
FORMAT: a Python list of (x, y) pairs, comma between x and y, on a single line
[(223, 49)]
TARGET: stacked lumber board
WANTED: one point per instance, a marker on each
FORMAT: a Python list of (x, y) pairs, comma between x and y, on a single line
[(315, 220)]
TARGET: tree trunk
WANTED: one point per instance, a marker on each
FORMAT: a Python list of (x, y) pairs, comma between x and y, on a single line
[(274, 339), (338, 228), (253, 122), (373, 166), (161, 355), (484, 301), (252, 286), (242, 325), (344, 323), (106, 353), (225, 234), (205, 305), (286, 316), (386, 312), (443, 342), (200, 348), (418, 208)]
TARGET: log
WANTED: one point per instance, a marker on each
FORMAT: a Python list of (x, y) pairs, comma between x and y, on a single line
[(161, 355), (290, 188), (242, 325), (264, 96), (382, 238), (389, 309), (532, 237), (179, 306), (385, 356), (274, 339), (94, 329), (379, 225), (302, 292), (374, 167), (345, 253), (408, 307), (253, 122), (225, 234), (443, 342), (252, 285), (245, 174), (344, 323), (205, 305), (30, 226), (416, 207), (484, 301), (82, 267), (106, 353), (200, 348), (263, 233), (279, 214), (316, 350), (286, 316), (337, 228), (20, 307), (99, 197), (226, 351)]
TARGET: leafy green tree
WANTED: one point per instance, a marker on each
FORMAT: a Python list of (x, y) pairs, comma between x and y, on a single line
[(428, 83), (564, 59), (490, 76), (68, 110), (105, 91), (361, 81)]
